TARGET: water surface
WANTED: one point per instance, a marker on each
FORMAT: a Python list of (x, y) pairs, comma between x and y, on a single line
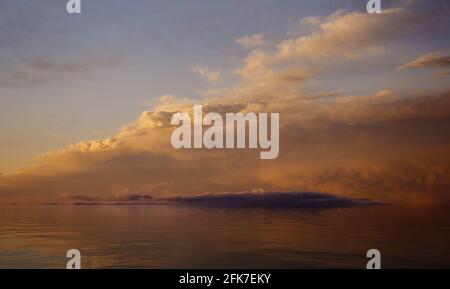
[(189, 237)]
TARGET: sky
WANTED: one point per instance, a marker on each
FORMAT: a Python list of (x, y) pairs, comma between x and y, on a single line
[(86, 100)]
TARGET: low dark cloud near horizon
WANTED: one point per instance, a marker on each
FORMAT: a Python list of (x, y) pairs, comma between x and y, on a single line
[(266, 200)]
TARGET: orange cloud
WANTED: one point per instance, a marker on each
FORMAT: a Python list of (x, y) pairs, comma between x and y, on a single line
[(434, 59), (383, 146)]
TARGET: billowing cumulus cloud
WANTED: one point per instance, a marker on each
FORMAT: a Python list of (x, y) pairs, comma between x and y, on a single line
[(385, 145), (374, 146)]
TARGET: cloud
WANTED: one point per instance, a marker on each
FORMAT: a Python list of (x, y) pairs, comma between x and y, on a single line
[(268, 200), (384, 145), (435, 60), (431, 60), (442, 74), (125, 198), (36, 70), (272, 200), (342, 36), (311, 20), (345, 35), (380, 146), (251, 41), (207, 74)]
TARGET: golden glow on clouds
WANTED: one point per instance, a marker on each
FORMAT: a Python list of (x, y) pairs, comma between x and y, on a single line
[(384, 146)]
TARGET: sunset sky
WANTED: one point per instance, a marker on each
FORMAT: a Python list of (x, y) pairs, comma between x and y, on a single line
[(86, 100)]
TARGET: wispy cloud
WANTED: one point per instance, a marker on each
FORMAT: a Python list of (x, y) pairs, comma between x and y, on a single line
[(39, 69), (435, 60), (207, 74), (251, 41)]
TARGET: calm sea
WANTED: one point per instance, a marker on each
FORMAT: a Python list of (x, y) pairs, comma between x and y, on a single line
[(187, 237)]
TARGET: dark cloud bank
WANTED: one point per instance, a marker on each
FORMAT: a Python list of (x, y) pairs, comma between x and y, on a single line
[(268, 200)]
